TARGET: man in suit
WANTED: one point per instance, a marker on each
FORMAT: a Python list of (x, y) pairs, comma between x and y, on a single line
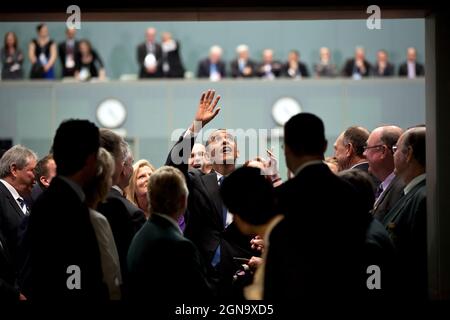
[(315, 251), (242, 66), (349, 149), (149, 56), (9, 291), (64, 260), (358, 66), (44, 172), (269, 68), (212, 67), (124, 218), (293, 67), (172, 66), (406, 221), (411, 68), (378, 152), (16, 182), (163, 264), (209, 224), (383, 68), (68, 50)]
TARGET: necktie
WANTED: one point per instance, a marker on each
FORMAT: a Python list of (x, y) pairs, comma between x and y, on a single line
[(379, 191), (216, 258), (23, 205)]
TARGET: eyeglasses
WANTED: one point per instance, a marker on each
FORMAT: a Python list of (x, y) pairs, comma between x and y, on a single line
[(373, 147)]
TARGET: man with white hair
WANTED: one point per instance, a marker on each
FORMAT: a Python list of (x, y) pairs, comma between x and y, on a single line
[(242, 66), (16, 182), (163, 264), (212, 67)]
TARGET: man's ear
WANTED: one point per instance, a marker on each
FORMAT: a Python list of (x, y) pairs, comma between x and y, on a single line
[(13, 169), (44, 181), (349, 149), (409, 155), (325, 145)]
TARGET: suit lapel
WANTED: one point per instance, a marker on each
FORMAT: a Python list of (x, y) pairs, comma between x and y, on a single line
[(11, 200), (212, 189), (385, 193), (397, 209)]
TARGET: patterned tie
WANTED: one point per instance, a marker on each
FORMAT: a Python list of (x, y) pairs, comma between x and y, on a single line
[(23, 205), (379, 191)]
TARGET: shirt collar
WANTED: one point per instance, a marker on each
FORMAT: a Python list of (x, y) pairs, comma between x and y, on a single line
[(116, 187), (359, 163), (306, 164), (11, 189), (414, 182), (75, 186), (386, 182), (218, 175), (172, 221)]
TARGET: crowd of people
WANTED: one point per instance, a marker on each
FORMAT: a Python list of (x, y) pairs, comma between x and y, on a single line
[(163, 60), (85, 224)]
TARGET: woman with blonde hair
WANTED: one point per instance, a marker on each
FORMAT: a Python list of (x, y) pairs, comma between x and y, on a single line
[(96, 192), (136, 192)]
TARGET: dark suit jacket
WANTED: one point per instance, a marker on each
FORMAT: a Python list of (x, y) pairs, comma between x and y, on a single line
[(59, 235), (8, 275), (387, 72), (173, 58), (315, 252), (301, 67), (11, 217), (406, 223), (142, 53), (276, 69), (165, 266), (204, 223), (203, 68), (350, 67), (67, 72), (364, 166), (403, 70), (388, 198), (236, 73), (125, 220)]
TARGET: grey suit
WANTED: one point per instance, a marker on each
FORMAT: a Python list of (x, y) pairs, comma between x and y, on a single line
[(388, 198), (406, 224)]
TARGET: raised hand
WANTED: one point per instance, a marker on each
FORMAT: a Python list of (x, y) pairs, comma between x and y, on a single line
[(207, 110)]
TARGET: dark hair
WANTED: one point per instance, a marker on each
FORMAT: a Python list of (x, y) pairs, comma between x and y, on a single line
[(415, 138), (304, 134), (41, 169), (75, 140), (112, 142), (248, 194), (357, 136), (363, 185), (87, 42), (40, 26), (15, 39)]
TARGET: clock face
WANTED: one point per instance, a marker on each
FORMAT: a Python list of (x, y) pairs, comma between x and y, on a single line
[(111, 113), (284, 108)]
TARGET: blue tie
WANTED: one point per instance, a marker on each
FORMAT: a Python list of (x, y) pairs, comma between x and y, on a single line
[(216, 258)]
